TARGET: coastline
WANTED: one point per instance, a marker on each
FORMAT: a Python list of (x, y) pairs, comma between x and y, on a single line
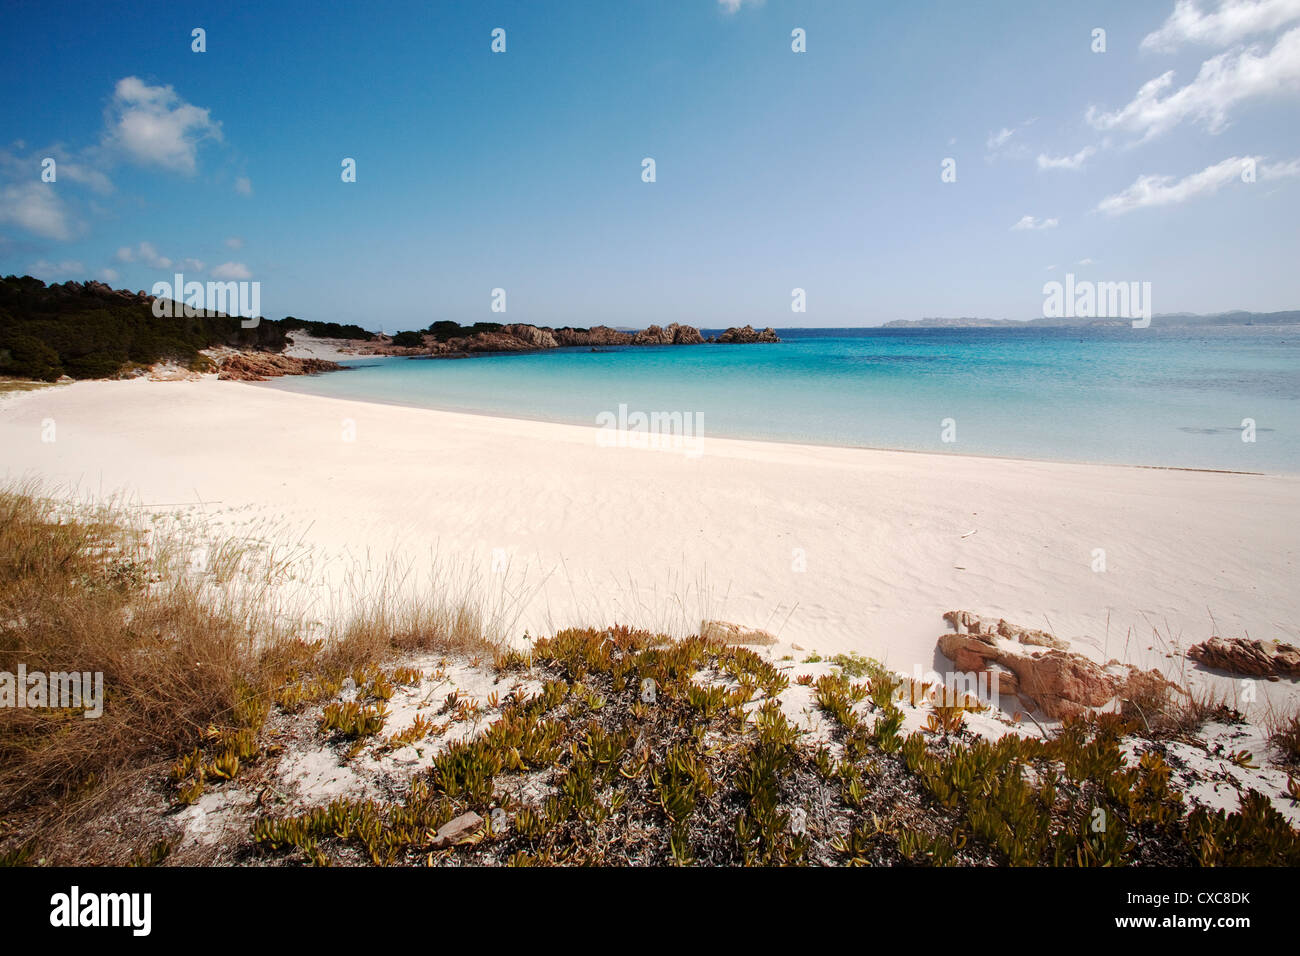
[(1180, 431), (284, 383), (888, 540), (484, 413)]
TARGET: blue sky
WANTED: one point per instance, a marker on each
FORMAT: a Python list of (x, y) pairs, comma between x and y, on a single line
[(774, 170)]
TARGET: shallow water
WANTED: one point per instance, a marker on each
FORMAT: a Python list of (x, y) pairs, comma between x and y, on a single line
[(1156, 396)]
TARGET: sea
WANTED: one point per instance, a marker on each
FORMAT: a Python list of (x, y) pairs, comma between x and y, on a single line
[(1222, 398)]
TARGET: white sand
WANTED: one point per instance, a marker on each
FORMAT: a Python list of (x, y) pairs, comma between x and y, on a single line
[(658, 538), (302, 345)]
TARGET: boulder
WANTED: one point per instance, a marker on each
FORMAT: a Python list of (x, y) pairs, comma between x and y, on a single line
[(1064, 684), (596, 335), (1040, 668), (1008, 682), (685, 334), (970, 623), (747, 335), (457, 830), (534, 337), (501, 341), (729, 633), (259, 366), (652, 335), (1240, 655)]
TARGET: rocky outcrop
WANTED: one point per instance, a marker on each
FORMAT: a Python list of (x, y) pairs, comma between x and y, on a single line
[(727, 633), (673, 335), (533, 336), (1239, 655), (685, 335), (596, 335), (747, 336), (502, 341), (1046, 675), (259, 366), (968, 623), (525, 338), (652, 336)]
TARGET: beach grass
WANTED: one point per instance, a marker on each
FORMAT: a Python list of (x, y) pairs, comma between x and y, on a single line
[(21, 385), (612, 746), (191, 660)]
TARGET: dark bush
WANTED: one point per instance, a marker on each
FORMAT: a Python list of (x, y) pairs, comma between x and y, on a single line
[(327, 330), (87, 330), (442, 331), (409, 339), (25, 357)]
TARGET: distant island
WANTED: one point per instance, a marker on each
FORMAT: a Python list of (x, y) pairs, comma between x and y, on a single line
[(1169, 318), (88, 330)]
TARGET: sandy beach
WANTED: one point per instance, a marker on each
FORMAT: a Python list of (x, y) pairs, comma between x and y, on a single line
[(831, 549)]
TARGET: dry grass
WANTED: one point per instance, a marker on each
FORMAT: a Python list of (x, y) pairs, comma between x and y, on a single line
[(1175, 708), (389, 612), (185, 651), (77, 596), (1175, 711), (21, 385), (1284, 734)]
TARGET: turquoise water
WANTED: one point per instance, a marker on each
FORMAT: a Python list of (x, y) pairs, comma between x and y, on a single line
[(1171, 396)]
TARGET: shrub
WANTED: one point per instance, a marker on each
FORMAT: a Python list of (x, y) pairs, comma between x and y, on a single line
[(408, 339)]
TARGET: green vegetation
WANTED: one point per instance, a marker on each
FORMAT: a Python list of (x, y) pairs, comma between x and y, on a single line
[(612, 746), (445, 331), (713, 772), (87, 330), (327, 330), (193, 665), (408, 340)]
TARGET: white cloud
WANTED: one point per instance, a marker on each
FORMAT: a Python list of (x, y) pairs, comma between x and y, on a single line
[(1066, 162), (244, 186), (998, 140), (36, 207), (108, 275), (55, 270), (1033, 222), (731, 6), (1085, 262), (1223, 82), (86, 176), (146, 253), (192, 265), (1269, 171), (1233, 21), (156, 127), (235, 242), (1008, 141), (21, 166), (1150, 191), (231, 270)]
